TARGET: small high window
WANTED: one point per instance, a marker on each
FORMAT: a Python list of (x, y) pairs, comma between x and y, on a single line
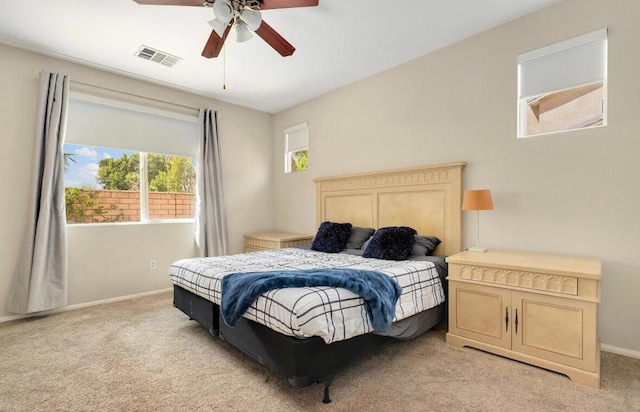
[(562, 87), (296, 148)]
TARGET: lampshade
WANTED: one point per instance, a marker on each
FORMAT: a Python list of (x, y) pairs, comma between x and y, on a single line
[(242, 32), (477, 200), (223, 11), (253, 18), (218, 26)]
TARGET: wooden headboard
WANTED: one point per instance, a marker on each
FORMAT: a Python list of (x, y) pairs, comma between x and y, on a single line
[(426, 198)]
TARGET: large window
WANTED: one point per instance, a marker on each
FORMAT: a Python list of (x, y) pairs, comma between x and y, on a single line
[(296, 148), (562, 87), (126, 163)]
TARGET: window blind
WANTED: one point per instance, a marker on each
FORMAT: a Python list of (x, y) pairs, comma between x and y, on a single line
[(575, 62), (297, 138), (100, 122)]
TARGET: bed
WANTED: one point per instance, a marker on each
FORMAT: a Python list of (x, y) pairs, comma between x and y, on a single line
[(427, 199)]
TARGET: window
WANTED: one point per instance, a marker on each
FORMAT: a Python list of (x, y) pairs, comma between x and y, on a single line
[(296, 148), (562, 87), (116, 166)]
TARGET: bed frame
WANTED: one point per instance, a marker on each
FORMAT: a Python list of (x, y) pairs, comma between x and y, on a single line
[(427, 198)]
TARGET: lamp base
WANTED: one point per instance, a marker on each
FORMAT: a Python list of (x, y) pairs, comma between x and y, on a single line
[(477, 249)]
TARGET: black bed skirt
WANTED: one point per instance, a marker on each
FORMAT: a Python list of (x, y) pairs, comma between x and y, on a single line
[(300, 361), (205, 312)]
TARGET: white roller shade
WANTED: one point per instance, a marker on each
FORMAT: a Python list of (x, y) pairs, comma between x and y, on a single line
[(105, 123), (572, 63), (297, 138)]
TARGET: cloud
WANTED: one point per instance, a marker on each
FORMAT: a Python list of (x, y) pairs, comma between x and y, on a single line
[(89, 171), (87, 152), (106, 155), (82, 176)]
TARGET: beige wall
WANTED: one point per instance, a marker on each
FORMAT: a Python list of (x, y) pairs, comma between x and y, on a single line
[(112, 261), (575, 193)]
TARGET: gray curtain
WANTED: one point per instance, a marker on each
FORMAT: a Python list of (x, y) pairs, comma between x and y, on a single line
[(40, 278), (211, 221)]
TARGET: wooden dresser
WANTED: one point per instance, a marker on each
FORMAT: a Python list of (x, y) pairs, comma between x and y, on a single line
[(536, 308), (256, 242)]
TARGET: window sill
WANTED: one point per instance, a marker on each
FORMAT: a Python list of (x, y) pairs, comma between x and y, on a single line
[(149, 222)]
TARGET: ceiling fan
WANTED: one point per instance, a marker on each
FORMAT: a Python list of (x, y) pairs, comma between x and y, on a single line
[(245, 16)]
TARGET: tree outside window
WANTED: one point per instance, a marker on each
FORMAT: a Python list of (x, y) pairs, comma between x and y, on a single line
[(300, 160)]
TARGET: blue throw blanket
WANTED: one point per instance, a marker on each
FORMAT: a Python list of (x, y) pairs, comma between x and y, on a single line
[(379, 292)]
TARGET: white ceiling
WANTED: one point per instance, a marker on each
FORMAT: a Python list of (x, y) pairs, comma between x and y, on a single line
[(337, 43)]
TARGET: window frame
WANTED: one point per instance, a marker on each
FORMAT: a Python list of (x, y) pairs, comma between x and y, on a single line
[(143, 166), (290, 133), (143, 193)]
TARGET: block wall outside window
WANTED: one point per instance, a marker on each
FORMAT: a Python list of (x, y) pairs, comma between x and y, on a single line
[(124, 206)]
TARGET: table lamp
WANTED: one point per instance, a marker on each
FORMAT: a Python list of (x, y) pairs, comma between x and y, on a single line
[(477, 200)]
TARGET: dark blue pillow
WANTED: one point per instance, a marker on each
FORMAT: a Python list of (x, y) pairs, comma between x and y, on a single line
[(391, 243), (331, 237)]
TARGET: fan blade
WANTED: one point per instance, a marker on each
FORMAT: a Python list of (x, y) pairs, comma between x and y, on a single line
[(285, 4), (275, 40), (172, 2), (215, 43)]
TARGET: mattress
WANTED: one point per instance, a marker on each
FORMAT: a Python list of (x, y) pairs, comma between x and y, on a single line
[(334, 314)]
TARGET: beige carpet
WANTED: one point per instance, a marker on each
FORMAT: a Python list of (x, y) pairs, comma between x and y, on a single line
[(144, 355)]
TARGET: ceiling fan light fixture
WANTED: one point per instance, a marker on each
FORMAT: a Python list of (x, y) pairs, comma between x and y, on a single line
[(242, 32), (223, 11), (253, 18), (218, 26)]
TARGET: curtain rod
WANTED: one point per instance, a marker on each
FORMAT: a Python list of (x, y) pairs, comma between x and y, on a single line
[(38, 74), (134, 95)]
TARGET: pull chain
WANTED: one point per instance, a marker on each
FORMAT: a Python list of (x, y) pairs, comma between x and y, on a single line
[(224, 68)]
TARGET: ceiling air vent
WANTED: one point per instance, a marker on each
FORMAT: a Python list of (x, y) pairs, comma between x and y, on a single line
[(157, 56)]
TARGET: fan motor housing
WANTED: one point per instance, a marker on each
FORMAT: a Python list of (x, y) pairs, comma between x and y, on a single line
[(253, 4)]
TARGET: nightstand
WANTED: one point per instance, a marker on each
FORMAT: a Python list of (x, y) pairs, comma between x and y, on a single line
[(535, 308), (256, 242)]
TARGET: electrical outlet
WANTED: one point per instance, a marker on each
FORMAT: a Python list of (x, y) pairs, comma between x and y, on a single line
[(153, 264)]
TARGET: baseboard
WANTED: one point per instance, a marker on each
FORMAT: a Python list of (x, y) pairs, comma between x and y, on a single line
[(620, 351), (84, 305)]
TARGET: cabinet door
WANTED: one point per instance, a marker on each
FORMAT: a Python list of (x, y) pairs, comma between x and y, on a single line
[(555, 328), (481, 313)]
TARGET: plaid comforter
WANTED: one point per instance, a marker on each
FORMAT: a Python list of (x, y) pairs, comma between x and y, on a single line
[(331, 313)]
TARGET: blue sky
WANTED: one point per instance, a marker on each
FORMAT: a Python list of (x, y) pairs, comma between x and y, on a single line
[(83, 172)]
